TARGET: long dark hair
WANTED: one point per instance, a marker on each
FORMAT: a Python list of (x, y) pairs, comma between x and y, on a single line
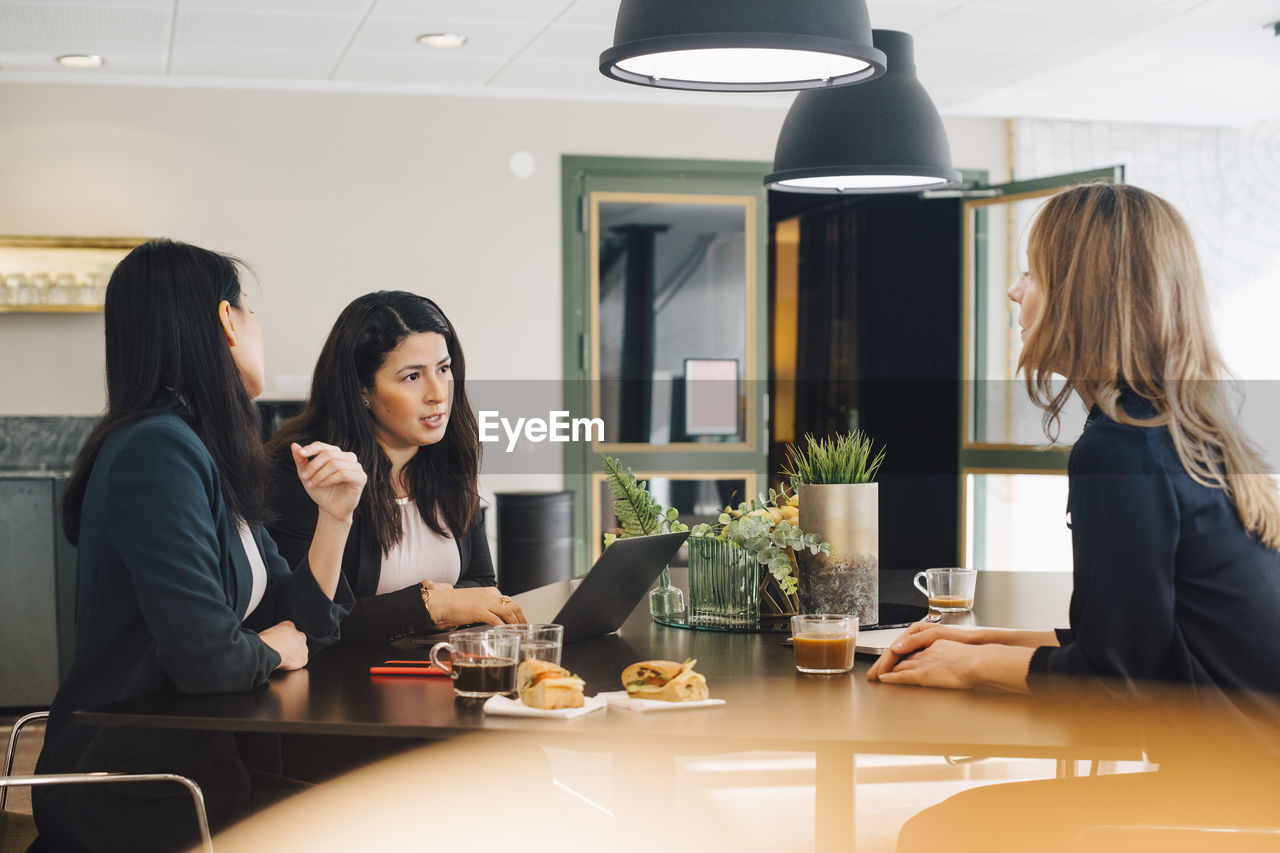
[(167, 352), (443, 477)]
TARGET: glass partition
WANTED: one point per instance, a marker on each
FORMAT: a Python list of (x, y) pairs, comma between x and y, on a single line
[(1017, 522), (672, 300)]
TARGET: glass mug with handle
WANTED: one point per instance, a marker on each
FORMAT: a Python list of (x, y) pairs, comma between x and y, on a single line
[(481, 663), (948, 590)]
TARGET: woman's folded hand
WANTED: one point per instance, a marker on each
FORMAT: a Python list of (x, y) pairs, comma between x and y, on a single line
[(475, 604)]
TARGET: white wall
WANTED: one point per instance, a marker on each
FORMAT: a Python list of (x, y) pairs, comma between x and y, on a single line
[(330, 196)]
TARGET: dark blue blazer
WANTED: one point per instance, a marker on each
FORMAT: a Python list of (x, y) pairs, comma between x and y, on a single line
[(161, 582)]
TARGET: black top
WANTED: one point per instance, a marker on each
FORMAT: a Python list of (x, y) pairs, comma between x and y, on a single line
[(1169, 586), (162, 579), (375, 618), (1169, 589)]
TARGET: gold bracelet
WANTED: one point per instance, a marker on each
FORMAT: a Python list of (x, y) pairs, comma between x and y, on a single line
[(426, 598)]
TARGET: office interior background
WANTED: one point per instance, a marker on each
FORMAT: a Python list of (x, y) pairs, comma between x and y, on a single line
[(338, 158)]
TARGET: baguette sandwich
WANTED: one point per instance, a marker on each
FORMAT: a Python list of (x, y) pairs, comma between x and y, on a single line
[(544, 685), (665, 680)]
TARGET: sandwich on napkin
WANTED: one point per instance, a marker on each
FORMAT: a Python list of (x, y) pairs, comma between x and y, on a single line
[(544, 685), (665, 680)]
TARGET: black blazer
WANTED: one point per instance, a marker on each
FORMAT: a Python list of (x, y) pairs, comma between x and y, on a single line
[(161, 581), (374, 618)]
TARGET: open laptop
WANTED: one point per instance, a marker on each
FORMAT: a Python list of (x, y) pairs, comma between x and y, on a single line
[(602, 600)]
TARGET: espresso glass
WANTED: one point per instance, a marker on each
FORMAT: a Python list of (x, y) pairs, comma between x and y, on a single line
[(481, 663), (824, 643), (948, 590)]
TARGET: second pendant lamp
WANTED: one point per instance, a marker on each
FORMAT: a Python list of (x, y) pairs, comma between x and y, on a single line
[(882, 136)]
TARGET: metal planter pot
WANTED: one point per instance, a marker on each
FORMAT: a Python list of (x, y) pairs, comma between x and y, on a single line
[(847, 580)]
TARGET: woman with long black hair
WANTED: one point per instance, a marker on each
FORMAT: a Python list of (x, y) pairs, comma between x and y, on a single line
[(390, 384), (177, 584)]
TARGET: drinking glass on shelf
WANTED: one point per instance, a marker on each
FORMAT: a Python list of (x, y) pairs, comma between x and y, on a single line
[(61, 290)]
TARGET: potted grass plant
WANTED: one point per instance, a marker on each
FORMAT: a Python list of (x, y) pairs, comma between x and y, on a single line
[(834, 478)]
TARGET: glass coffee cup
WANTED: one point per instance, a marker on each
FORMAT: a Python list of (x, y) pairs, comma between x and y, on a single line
[(949, 590), (824, 643), (481, 663)]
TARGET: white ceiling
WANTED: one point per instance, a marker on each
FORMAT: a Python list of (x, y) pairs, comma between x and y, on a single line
[(1169, 61)]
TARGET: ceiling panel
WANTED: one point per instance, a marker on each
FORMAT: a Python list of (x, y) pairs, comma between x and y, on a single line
[(527, 11), (39, 56), (99, 23), (997, 29), (251, 29), (561, 75), (207, 61), (423, 70), (591, 13), (906, 16), (484, 38), (582, 44), (355, 8)]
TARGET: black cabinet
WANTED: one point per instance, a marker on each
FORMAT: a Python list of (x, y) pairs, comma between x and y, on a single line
[(37, 597)]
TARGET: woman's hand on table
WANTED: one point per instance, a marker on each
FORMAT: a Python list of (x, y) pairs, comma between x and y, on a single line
[(332, 477), (932, 655), (485, 604), (288, 642), (919, 636)]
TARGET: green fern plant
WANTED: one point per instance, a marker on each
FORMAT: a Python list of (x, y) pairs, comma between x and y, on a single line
[(639, 514)]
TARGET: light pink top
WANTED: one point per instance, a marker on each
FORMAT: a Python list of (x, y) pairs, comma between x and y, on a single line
[(420, 555)]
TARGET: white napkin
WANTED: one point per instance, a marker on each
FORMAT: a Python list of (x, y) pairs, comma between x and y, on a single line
[(505, 706), (620, 699)]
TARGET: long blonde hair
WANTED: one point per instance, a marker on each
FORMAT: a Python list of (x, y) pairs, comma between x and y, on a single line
[(1122, 304)]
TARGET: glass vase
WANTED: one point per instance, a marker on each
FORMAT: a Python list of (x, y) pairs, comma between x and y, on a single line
[(724, 584), (666, 601)]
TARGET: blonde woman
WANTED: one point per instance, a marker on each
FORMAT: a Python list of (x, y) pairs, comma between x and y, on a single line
[(1175, 525)]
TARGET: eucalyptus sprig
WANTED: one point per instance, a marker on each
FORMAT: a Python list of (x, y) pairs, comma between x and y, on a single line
[(846, 458), (763, 528)]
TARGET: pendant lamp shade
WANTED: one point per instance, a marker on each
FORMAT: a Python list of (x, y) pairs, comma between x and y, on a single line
[(884, 137), (742, 45)]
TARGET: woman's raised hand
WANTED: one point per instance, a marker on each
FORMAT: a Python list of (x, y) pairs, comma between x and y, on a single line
[(333, 478), (473, 604)]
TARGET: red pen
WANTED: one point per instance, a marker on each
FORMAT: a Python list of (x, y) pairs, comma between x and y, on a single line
[(408, 667)]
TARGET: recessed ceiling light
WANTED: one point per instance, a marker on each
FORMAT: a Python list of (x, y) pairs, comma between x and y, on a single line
[(81, 60), (442, 39)]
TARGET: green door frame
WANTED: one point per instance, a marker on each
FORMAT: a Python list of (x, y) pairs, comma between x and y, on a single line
[(580, 176)]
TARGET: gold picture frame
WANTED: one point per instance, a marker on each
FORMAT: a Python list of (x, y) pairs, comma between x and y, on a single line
[(57, 275)]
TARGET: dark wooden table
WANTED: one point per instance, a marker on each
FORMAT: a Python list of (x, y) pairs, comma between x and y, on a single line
[(834, 717)]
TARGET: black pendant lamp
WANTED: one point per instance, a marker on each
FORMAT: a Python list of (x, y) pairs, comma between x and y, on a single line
[(742, 45), (884, 137)]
